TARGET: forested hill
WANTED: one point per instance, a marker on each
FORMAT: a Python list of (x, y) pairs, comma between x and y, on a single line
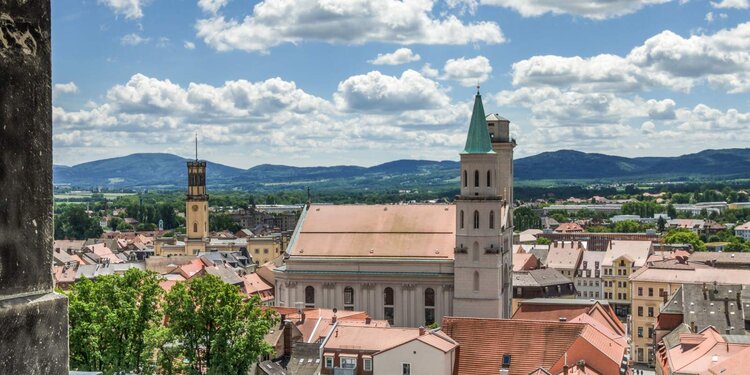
[(167, 171)]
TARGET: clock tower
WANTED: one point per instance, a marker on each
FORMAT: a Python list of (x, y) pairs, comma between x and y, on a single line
[(196, 206)]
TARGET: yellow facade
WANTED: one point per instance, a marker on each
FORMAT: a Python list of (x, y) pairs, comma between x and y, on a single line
[(196, 219), (647, 300), (616, 284), (264, 249)]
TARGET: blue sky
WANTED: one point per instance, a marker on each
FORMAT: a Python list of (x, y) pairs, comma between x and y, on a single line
[(327, 82)]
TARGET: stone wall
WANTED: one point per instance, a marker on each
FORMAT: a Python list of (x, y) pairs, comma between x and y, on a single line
[(34, 336)]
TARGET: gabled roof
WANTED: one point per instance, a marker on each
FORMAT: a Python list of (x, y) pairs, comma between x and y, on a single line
[(478, 140), (564, 255), (635, 251)]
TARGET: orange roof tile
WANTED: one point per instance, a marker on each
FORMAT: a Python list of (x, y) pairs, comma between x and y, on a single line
[(369, 338)]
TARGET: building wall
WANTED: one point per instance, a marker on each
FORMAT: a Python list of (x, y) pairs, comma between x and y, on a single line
[(264, 249), (424, 360), (407, 280), (616, 285), (643, 302), (745, 234), (588, 287), (196, 219)]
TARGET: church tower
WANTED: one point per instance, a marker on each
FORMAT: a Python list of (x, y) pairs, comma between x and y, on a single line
[(482, 266), (196, 206)]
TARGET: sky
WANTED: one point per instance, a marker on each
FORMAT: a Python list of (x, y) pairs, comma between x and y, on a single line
[(362, 82)]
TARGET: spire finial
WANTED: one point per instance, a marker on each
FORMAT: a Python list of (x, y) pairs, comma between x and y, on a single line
[(196, 146), (477, 88)]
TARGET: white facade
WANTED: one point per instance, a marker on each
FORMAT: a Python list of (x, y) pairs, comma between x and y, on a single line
[(421, 358), (743, 231)]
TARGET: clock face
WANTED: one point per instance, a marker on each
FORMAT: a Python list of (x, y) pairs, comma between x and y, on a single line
[(195, 207)]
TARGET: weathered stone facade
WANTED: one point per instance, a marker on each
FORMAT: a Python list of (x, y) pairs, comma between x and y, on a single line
[(34, 338)]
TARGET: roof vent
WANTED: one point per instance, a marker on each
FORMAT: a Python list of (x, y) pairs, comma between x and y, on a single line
[(563, 319), (385, 208)]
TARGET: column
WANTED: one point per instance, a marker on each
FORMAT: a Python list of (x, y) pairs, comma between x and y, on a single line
[(34, 336)]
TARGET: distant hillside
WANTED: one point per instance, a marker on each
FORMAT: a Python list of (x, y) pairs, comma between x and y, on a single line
[(167, 171)]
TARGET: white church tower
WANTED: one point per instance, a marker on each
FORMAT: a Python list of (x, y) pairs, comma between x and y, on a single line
[(484, 229)]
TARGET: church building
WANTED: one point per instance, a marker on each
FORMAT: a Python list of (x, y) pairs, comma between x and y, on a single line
[(413, 264)]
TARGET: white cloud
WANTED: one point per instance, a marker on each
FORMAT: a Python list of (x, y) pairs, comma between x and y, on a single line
[(376, 92), (397, 57), (665, 60), (428, 71), (648, 127), (189, 45), (133, 40), (65, 88), (468, 72), (131, 9), (212, 6), (275, 22), (162, 42), (709, 17), (594, 9), (728, 4), (272, 117)]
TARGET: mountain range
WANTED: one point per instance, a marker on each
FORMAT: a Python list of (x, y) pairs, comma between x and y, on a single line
[(167, 171)]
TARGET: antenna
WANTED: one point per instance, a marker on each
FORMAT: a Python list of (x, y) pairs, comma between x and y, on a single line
[(196, 146)]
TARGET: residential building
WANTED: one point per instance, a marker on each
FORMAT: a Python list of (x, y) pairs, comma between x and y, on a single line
[(565, 257), (705, 352), (621, 259), (600, 241), (541, 283), (264, 249), (743, 231), (721, 259), (588, 278), (528, 236), (254, 285), (650, 284), (609, 208), (522, 347), (569, 228), (413, 264), (525, 262), (573, 310)]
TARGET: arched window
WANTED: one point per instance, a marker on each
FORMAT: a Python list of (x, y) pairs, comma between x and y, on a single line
[(461, 219), (475, 252), (476, 281), (476, 219), (466, 179), (309, 296), (492, 219), (195, 227), (476, 178), (429, 306), (349, 298), (388, 309), (489, 179)]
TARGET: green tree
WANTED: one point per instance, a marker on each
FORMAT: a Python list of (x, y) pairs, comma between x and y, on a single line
[(219, 329), (543, 241), (111, 320), (661, 224), (685, 236), (525, 218), (74, 223), (221, 222), (124, 227), (643, 209), (671, 211), (114, 222), (627, 226)]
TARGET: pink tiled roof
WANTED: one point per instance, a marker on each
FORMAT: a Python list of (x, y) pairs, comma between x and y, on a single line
[(104, 252), (745, 226), (369, 338), (421, 231)]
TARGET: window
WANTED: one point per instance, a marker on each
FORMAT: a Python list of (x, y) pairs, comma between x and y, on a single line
[(309, 296), (492, 219), (661, 292), (476, 281), (640, 310), (476, 219), (195, 227), (506, 360), (475, 252), (406, 369), (367, 364), (461, 219), (329, 362), (489, 179), (349, 298), (388, 310), (429, 306), (640, 331), (640, 291), (257, 251), (640, 354), (466, 179), (265, 251), (650, 292), (348, 362), (651, 312), (476, 178), (650, 332)]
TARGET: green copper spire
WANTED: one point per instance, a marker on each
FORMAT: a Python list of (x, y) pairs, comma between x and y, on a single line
[(478, 141)]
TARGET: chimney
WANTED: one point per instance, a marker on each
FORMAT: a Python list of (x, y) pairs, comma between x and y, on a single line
[(302, 317), (336, 334), (287, 337), (368, 320), (421, 331), (333, 319)]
